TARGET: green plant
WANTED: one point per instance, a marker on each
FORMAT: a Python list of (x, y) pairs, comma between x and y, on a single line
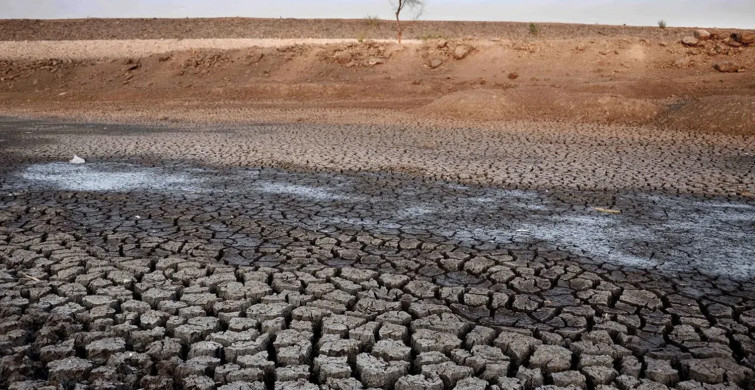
[(534, 29), (372, 21), (361, 37), (662, 24)]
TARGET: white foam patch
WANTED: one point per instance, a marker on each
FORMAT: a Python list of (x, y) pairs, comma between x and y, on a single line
[(316, 193), (106, 177)]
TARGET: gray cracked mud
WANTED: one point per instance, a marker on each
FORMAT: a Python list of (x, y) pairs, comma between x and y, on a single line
[(659, 232), (117, 274)]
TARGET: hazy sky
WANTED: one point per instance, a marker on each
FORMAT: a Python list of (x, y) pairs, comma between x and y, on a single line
[(704, 13)]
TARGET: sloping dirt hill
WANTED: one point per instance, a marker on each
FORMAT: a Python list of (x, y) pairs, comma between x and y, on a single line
[(84, 29), (601, 74)]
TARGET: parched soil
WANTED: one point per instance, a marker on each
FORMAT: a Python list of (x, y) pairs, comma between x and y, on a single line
[(600, 79), (171, 260), (487, 210)]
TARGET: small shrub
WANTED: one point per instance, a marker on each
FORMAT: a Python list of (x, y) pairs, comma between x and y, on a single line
[(534, 29), (427, 36), (372, 21), (662, 24), (361, 37)]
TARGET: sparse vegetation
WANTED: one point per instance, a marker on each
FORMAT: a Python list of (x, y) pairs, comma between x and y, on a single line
[(372, 21), (400, 5), (431, 35), (361, 37), (534, 29), (662, 24)]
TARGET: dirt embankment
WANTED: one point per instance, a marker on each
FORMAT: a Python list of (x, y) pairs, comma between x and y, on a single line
[(645, 76), (89, 29)]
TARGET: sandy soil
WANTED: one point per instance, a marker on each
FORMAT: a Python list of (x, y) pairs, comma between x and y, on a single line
[(123, 48)]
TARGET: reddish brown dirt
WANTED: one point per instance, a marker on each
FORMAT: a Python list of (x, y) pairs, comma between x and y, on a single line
[(78, 29), (568, 73)]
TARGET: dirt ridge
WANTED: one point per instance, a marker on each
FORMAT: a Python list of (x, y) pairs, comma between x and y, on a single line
[(647, 77), (95, 28)]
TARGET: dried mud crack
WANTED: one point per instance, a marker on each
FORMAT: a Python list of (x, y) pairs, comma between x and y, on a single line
[(122, 274)]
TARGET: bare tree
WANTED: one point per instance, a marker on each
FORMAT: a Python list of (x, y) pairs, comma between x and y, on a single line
[(400, 5)]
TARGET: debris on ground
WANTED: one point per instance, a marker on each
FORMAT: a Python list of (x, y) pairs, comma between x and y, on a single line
[(727, 67), (607, 211)]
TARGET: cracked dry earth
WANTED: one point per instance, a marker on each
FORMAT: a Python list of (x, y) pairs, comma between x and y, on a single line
[(123, 273)]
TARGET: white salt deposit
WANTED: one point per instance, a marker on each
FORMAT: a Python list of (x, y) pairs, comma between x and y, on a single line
[(316, 193), (663, 233), (105, 177)]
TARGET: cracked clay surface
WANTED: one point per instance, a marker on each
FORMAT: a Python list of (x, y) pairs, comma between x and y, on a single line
[(143, 272)]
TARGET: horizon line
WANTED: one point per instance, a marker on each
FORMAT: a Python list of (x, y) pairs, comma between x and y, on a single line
[(362, 18)]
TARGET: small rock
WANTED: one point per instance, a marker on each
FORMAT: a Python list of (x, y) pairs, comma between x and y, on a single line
[(461, 52), (683, 63), (436, 62), (343, 57), (701, 34), (132, 67), (726, 67), (375, 61), (513, 76), (744, 37), (690, 41), (77, 160)]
